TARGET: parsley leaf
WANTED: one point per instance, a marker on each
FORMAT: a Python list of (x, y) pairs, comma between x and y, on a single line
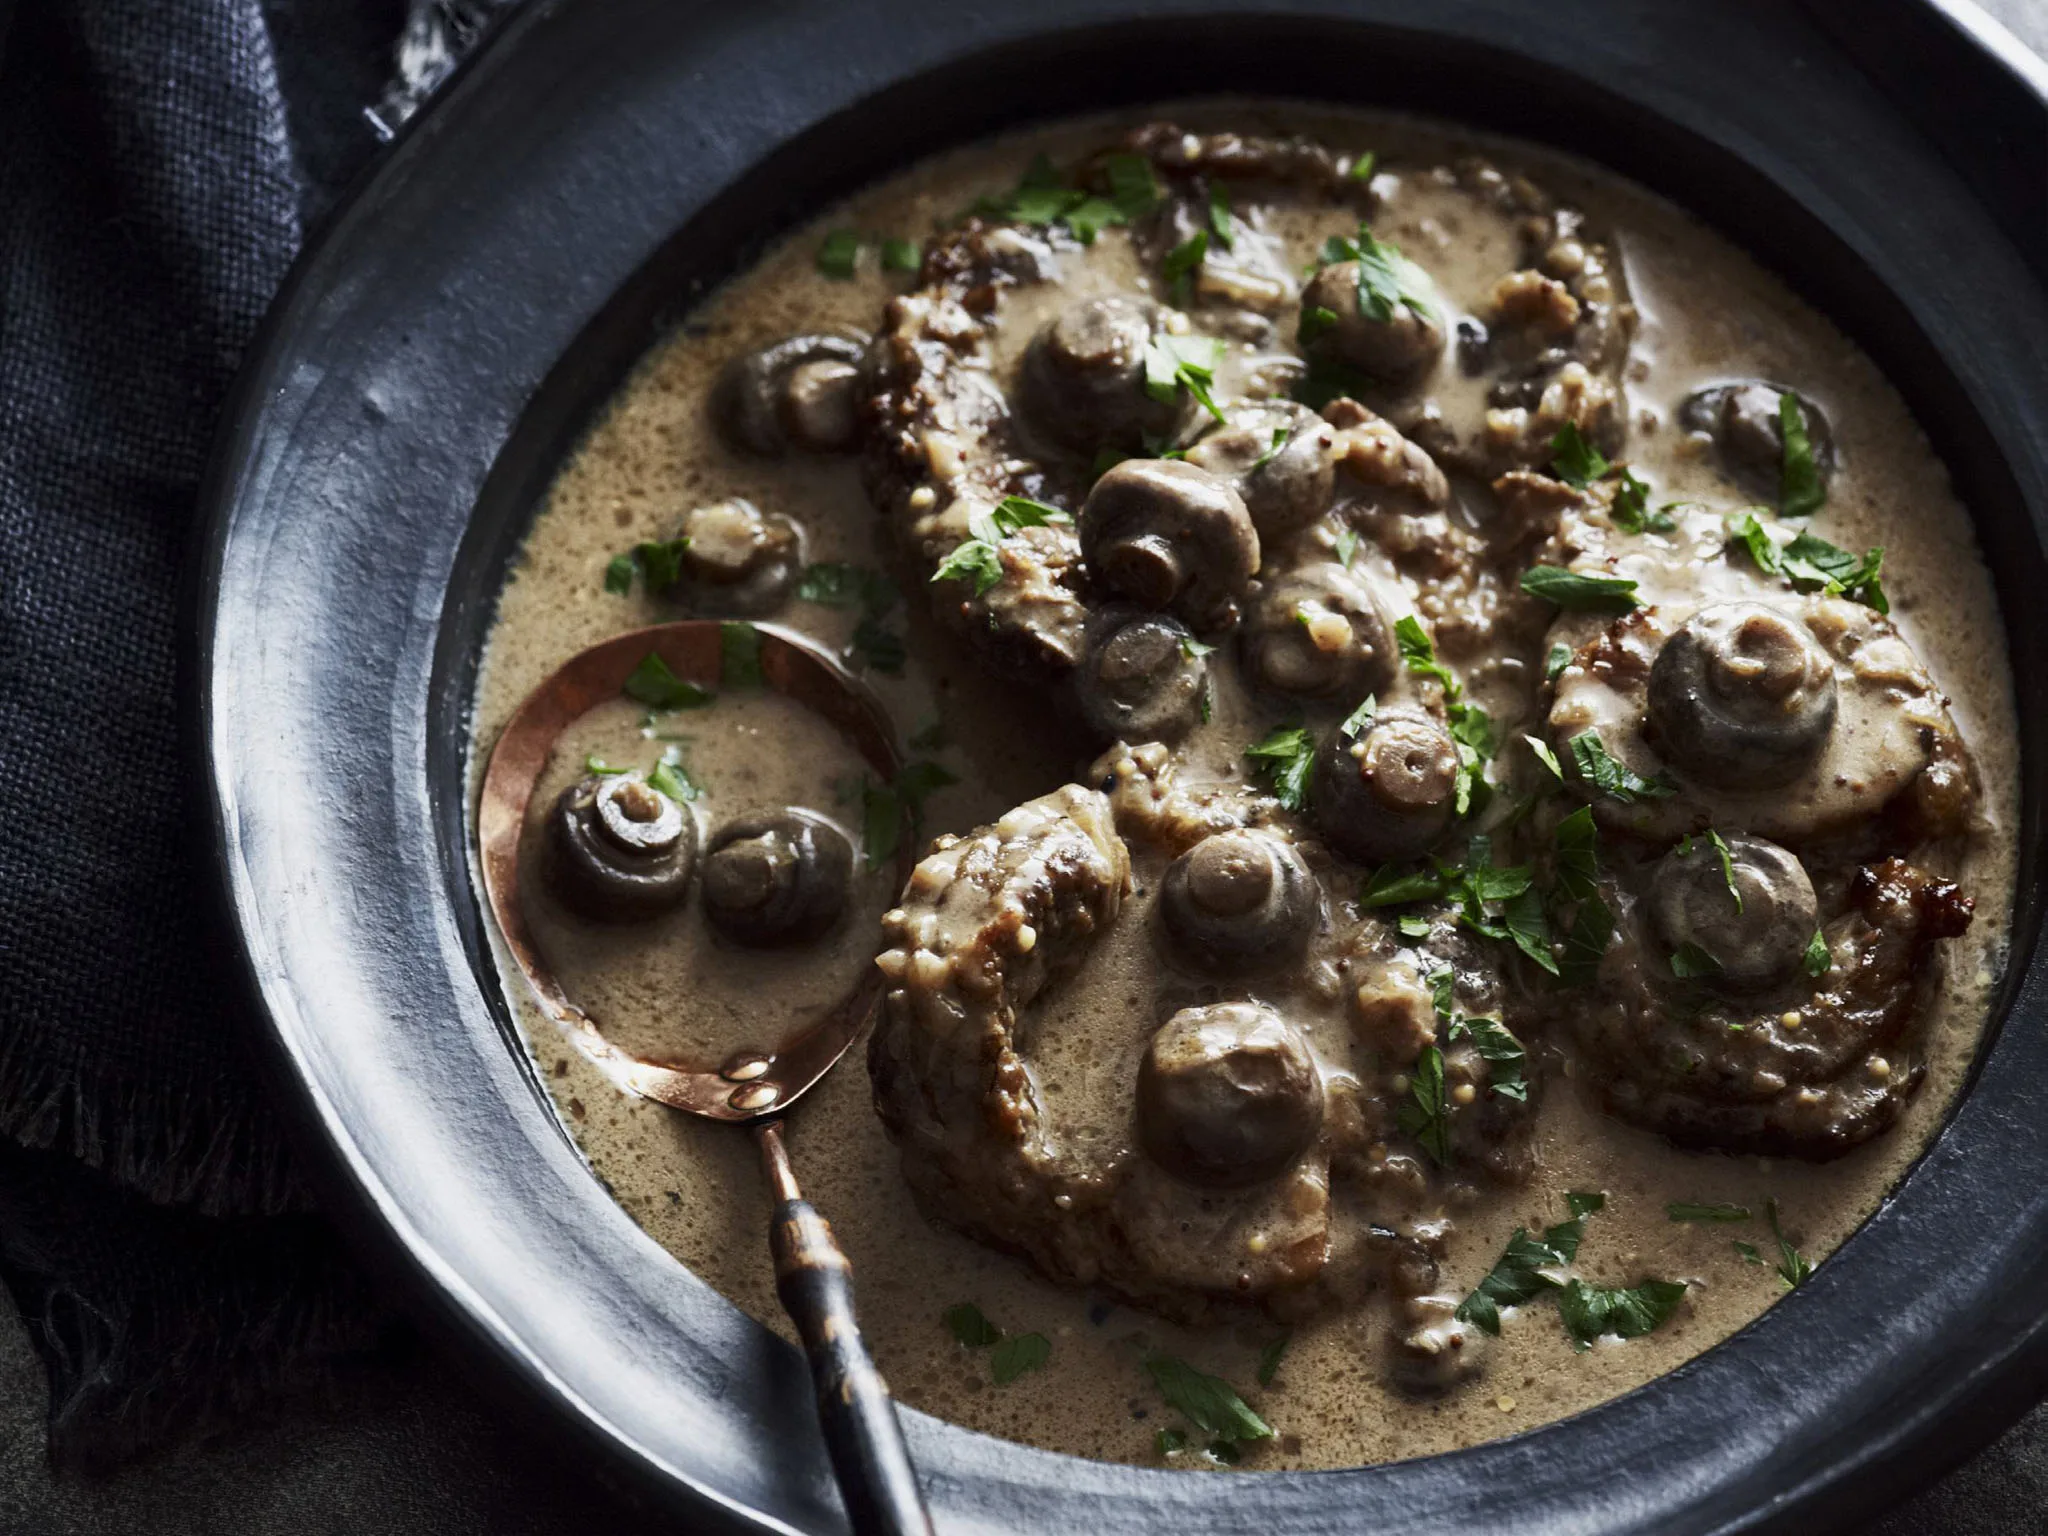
[(899, 255), (1207, 1402), (654, 685), (1014, 513), (1592, 1311), (1554, 664), (1181, 264), (1631, 508), (1612, 778), (1577, 842), (1419, 651), (1285, 757), (1359, 718), (888, 810), (970, 1325), (1389, 887), (832, 584), (1586, 944), (1174, 363), (1220, 220), (673, 779), (1793, 1266), (1577, 462), (739, 654), (1813, 564), (1817, 961), (1541, 749), (1679, 1210), (1016, 1354), (597, 765), (1362, 167), (1346, 545), (1529, 1266), (1727, 866), (1748, 1252), (971, 561), (618, 574), (1425, 1113), (839, 254), (1578, 591), (1691, 963), (1269, 1360), (1800, 492), (1386, 278), (1280, 437), (1316, 319), (1470, 726), (879, 647), (1496, 1044), (1132, 186)]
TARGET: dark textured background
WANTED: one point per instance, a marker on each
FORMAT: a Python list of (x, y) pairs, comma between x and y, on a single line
[(190, 1340)]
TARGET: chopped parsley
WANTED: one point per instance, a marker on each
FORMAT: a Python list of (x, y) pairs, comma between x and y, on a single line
[(833, 584), (1426, 1113), (673, 779), (890, 810), (1359, 718), (1132, 186), (1631, 508), (660, 563), (1577, 845), (653, 684), (1612, 778), (1813, 564), (1577, 462), (1220, 219), (618, 574), (1727, 859), (1388, 886), (1748, 1251), (1529, 1266), (1793, 1266), (1269, 1360), (1548, 758), (1387, 280), (597, 765), (970, 1325), (1817, 961), (1316, 319), (1018, 1353), (879, 647), (900, 255), (1044, 196), (1679, 1210), (974, 562), (1800, 492), (1175, 363), (1471, 728), (1691, 963), (839, 254), (1207, 1402), (1496, 1044), (739, 654), (1591, 1312), (1585, 944), (1280, 436), (1284, 757), (1346, 545), (975, 559), (1170, 1442), (1554, 664), (1413, 926), (1579, 592), (1362, 167), (1181, 264)]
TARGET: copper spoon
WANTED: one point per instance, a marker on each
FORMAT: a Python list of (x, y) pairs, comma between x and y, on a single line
[(752, 1087)]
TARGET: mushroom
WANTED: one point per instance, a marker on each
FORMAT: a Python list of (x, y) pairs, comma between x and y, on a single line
[(1238, 900), (1318, 633), (619, 849), (1394, 348), (740, 559), (1389, 792), (1743, 420), (1144, 678), (1170, 537), (1435, 1350), (1741, 697), (1279, 457), (801, 392), (778, 879), (1228, 1095), (1083, 379), (1752, 916)]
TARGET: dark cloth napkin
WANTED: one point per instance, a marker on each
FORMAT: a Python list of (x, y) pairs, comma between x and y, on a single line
[(160, 164)]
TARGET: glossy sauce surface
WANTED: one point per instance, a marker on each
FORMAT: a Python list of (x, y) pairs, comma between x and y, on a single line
[(1707, 313)]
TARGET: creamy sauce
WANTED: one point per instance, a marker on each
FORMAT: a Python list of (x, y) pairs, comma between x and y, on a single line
[(1708, 313)]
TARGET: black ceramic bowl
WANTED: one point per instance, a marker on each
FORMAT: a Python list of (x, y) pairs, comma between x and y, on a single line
[(439, 350)]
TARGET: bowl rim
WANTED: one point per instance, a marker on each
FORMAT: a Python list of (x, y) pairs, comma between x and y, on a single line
[(317, 416)]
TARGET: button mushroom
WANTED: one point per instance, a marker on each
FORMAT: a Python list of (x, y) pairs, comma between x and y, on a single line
[(1743, 420), (1143, 678), (1083, 379), (739, 559), (1394, 348), (1318, 633), (619, 849), (1742, 696), (1280, 458), (1228, 1095), (801, 392), (1434, 1350), (778, 879), (1752, 917), (1390, 792), (1170, 537), (1238, 900)]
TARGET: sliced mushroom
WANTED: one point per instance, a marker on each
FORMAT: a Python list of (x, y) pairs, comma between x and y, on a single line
[(1395, 348), (1280, 458), (1239, 900), (1319, 633), (779, 879), (1752, 917), (1144, 678), (1742, 697), (1743, 420), (619, 849), (801, 392), (1389, 792), (1228, 1095), (739, 559), (1083, 379), (1170, 537)]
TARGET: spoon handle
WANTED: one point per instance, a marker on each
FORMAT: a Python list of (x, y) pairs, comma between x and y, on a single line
[(815, 1282)]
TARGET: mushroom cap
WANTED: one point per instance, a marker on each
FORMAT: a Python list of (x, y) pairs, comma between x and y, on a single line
[(1170, 537), (1142, 679), (1240, 900), (776, 879), (1083, 377), (1390, 792), (1754, 918), (1317, 633), (1285, 485), (800, 392), (1228, 1095), (739, 559), (1742, 696), (1395, 349), (619, 850)]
